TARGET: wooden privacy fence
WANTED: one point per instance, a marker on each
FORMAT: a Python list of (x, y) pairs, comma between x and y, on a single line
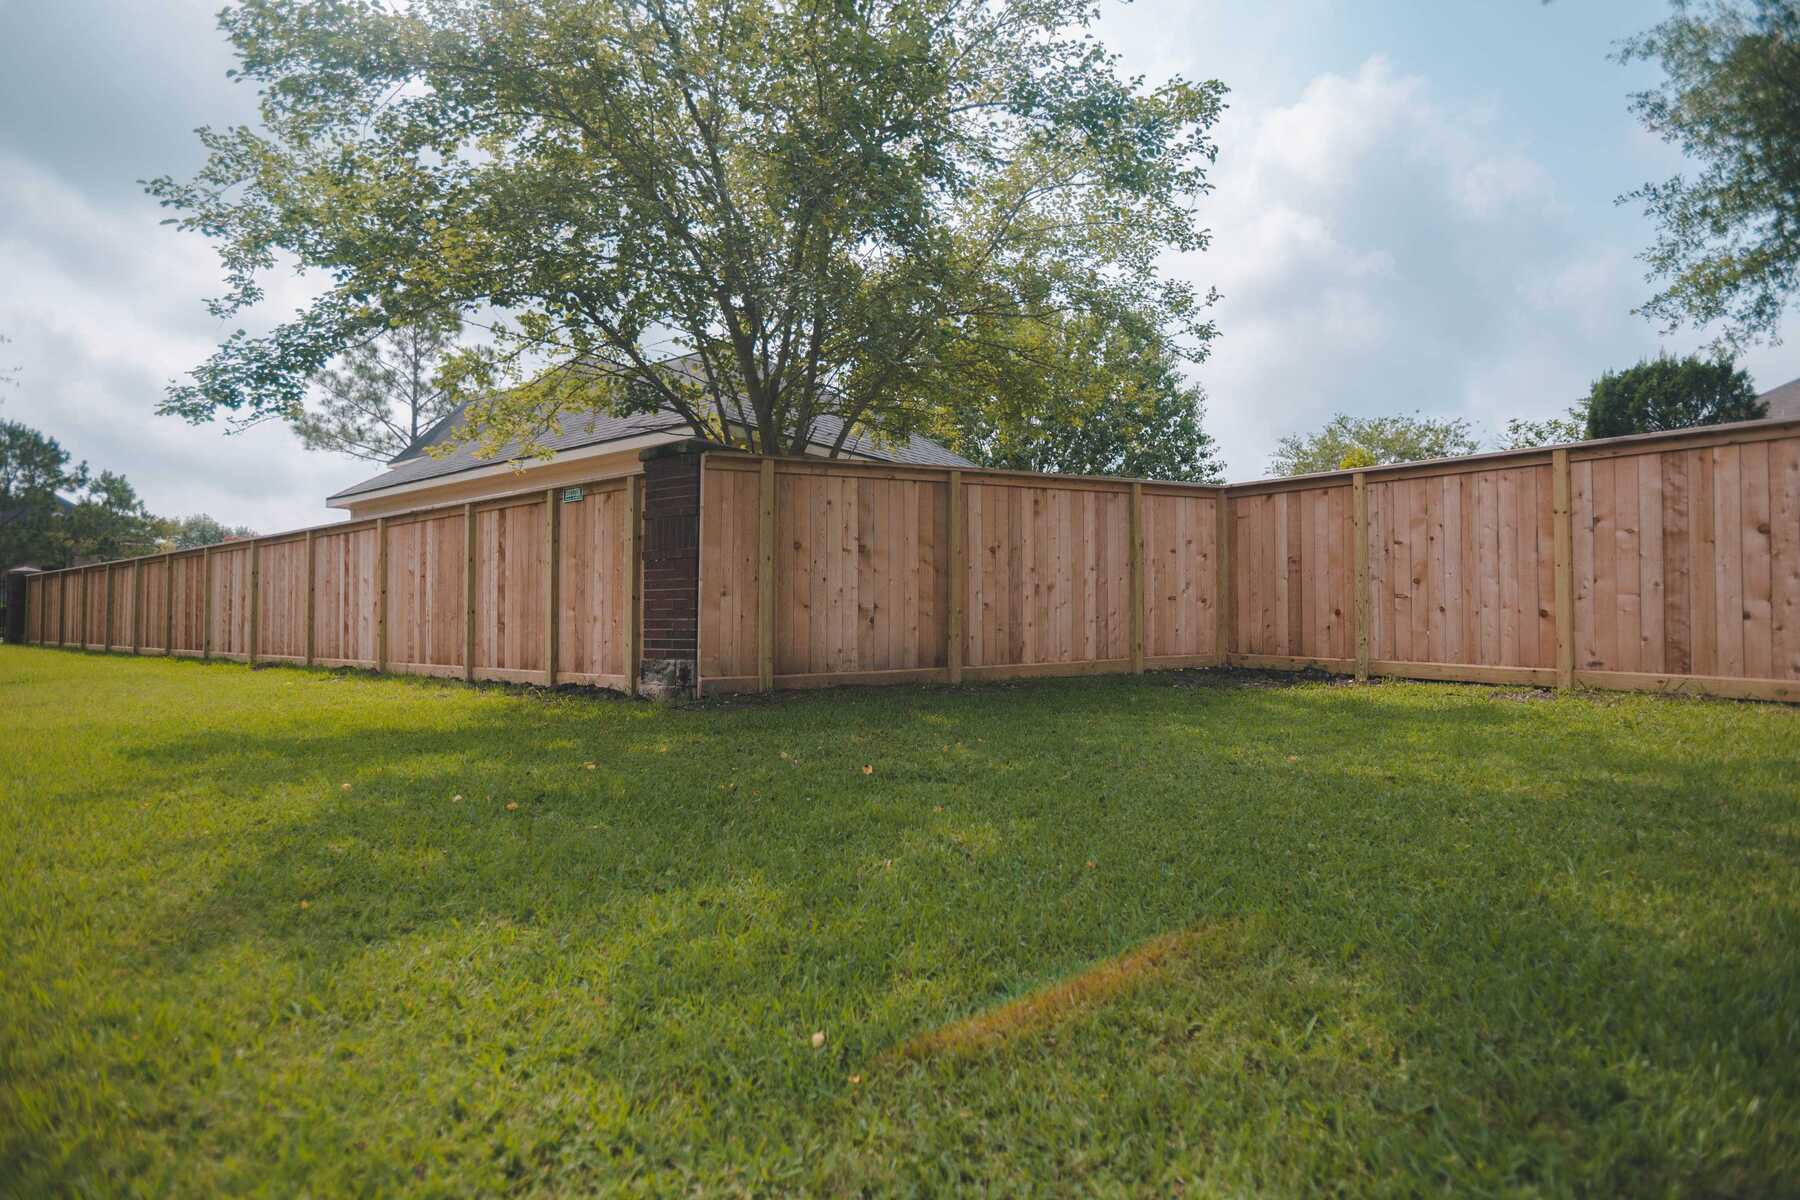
[(1666, 562), (538, 588)]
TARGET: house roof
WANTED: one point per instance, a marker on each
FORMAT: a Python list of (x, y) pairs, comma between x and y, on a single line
[(416, 465), (1783, 401)]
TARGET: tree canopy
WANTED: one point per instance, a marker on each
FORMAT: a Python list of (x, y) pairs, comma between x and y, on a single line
[(1670, 393), (819, 202), (1728, 237), (377, 397), (1348, 441), (53, 514), (1076, 395)]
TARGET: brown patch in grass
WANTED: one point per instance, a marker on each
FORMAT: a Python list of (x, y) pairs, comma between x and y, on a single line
[(1055, 1002)]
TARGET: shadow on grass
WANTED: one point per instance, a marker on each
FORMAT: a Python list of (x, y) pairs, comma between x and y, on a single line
[(1539, 909)]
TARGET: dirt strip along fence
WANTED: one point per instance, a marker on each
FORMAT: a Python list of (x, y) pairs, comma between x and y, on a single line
[(538, 588), (1664, 562)]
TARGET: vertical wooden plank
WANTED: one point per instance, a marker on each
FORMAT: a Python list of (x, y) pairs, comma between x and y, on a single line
[(1728, 567), (468, 592), (1136, 550), (381, 593), (137, 604), (255, 601), (1628, 641), (1677, 559), (106, 617), (1563, 542), (1606, 557), (1758, 607), (1544, 622), (169, 605), (312, 596), (1285, 554), (1223, 604), (959, 587), (765, 576), (1359, 535), (1702, 538), (1652, 589), (552, 577), (206, 604), (1784, 569)]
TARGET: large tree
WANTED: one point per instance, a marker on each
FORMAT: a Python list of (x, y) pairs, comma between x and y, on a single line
[(1076, 395), (107, 521), (1670, 393), (1728, 238), (375, 400), (1348, 441), (34, 471), (816, 200), (53, 514)]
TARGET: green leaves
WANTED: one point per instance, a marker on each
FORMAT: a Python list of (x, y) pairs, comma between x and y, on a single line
[(1728, 240), (816, 203)]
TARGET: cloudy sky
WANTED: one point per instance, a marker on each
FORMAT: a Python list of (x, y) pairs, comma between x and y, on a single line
[(1413, 211)]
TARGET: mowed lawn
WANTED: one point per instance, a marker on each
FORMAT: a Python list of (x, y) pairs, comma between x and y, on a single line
[(281, 931)]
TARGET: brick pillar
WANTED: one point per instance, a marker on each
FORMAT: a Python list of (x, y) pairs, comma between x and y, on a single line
[(668, 659)]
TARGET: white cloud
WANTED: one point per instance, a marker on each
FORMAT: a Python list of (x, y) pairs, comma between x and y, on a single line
[(1382, 249), (103, 306)]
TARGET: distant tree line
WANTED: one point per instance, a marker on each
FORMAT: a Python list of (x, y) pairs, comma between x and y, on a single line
[(1656, 395), (57, 513)]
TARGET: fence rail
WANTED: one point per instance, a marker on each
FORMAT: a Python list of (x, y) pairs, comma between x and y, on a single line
[(1666, 562)]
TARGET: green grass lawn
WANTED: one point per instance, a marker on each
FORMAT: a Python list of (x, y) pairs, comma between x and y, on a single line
[(283, 930)]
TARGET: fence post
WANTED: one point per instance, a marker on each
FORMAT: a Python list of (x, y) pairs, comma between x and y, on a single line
[(552, 545), (959, 582), (469, 591), (381, 594), (169, 604), (1359, 532), (1137, 578), (311, 601), (137, 605), (206, 603), (1226, 614), (255, 600), (1562, 520), (765, 581), (106, 626)]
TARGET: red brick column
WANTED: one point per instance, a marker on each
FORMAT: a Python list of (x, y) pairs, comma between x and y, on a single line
[(669, 657)]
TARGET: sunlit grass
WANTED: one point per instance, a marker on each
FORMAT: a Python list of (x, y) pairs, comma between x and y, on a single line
[(1122, 935)]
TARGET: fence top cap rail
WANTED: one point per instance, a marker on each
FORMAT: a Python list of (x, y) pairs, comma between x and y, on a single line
[(1647, 440), (1049, 478)]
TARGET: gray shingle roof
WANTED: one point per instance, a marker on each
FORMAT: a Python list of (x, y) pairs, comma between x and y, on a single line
[(416, 466), (1783, 401)]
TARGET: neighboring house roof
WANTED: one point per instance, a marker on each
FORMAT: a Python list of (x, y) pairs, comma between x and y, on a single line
[(1783, 401), (580, 432)]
